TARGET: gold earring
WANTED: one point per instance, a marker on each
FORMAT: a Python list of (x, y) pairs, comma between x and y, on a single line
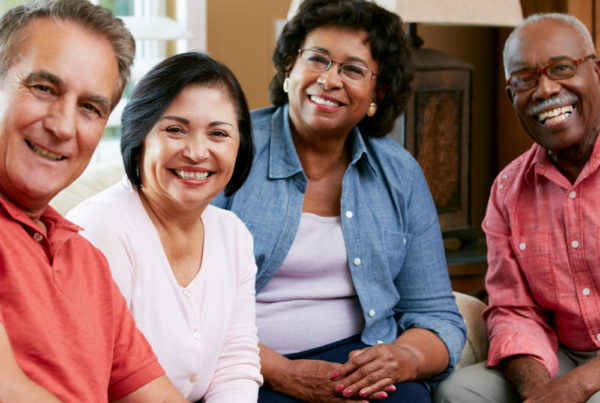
[(286, 84), (372, 109)]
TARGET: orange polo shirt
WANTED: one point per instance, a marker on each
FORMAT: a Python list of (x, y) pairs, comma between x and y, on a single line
[(69, 326)]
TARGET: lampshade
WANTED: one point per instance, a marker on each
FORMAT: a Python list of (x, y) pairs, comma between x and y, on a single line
[(163, 28), (504, 13)]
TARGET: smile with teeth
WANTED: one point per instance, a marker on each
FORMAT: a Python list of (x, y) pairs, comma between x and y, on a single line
[(42, 152), (194, 175), (322, 101), (555, 115)]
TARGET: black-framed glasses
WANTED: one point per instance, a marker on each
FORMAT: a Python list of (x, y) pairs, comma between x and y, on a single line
[(557, 70), (319, 61)]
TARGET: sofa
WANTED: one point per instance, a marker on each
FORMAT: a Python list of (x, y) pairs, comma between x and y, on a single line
[(100, 176)]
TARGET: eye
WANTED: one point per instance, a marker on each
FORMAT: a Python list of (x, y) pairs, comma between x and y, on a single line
[(219, 133), (92, 108), (317, 58), (175, 130), (42, 89), (354, 70)]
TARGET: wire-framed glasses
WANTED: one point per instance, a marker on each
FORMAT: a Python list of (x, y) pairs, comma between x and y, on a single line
[(558, 70), (319, 61)]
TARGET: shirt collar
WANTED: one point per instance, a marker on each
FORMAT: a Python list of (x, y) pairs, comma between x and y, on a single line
[(50, 217), (283, 159), (541, 163)]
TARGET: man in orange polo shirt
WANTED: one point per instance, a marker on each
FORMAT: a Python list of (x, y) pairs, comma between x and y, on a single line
[(65, 331)]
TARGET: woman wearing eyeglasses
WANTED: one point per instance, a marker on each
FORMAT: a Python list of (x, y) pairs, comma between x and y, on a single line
[(354, 300)]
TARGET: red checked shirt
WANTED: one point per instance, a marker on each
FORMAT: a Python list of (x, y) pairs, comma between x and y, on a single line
[(544, 259)]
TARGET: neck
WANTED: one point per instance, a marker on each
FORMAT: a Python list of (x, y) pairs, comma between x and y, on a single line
[(33, 210), (571, 161)]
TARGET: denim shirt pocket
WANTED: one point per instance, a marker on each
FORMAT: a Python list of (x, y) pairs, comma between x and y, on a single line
[(396, 245), (533, 256)]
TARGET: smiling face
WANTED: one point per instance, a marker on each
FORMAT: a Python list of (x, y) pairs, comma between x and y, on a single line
[(189, 155), (322, 102), (562, 114), (54, 104)]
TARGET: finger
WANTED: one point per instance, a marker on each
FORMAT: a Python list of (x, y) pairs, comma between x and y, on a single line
[(369, 379), (378, 390), (354, 353)]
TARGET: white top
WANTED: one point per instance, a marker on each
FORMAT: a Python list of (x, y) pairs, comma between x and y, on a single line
[(204, 335), (313, 286)]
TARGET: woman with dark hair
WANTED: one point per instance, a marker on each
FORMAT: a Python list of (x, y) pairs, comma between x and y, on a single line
[(185, 268), (354, 300)]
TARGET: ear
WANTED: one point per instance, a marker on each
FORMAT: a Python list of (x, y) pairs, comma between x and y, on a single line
[(597, 68), (509, 93)]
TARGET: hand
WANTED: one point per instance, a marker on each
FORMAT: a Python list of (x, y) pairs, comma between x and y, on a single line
[(311, 380), (372, 372)]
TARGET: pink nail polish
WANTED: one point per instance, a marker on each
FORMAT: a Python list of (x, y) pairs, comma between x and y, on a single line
[(382, 395), (391, 388), (339, 388), (362, 393), (335, 375), (347, 393)]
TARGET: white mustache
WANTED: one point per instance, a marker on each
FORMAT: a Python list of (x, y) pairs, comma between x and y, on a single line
[(557, 100)]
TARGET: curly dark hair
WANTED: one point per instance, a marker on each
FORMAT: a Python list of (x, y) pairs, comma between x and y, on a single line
[(389, 48)]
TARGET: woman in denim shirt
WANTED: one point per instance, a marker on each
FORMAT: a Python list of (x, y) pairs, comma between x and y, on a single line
[(354, 300)]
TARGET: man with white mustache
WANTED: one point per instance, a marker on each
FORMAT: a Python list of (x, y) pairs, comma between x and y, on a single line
[(542, 228)]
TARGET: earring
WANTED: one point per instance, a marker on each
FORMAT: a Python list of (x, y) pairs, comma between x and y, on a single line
[(286, 84), (372, 109)]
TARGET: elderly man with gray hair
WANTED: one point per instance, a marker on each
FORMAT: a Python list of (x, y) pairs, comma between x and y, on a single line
[(65, 331), (542, 228)]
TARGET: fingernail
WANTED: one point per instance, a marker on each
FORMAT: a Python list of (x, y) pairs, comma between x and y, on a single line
[(391, 388), (382, 395), (335, 375), (339, 388), (362, 393), (347, 393)]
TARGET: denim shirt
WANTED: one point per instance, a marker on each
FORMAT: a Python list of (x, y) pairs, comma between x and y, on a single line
[(389, 221)]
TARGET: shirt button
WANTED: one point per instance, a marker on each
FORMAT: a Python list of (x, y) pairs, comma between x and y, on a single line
[(196, 335), (504, 176), (522, 246), (349, 214), (37, 236), (572, 194), (500, 186), (193, 379), (372, 313), (586, 291), (380, 341), (575, 244), (598, 336), (186, 293), (403, 241), (357, 261)]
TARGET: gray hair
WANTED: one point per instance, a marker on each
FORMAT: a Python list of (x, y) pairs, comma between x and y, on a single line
[(584, 35), (91, 17)]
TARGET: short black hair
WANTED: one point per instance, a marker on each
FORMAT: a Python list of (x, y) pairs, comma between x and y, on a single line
[(157, 90), (389, 48)]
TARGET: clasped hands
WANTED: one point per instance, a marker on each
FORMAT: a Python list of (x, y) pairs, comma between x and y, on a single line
[(369, 373)]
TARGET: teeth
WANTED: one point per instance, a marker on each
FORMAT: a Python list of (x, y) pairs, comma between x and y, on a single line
[(555, 115), (321, 101), (44, 153), (191, 174)]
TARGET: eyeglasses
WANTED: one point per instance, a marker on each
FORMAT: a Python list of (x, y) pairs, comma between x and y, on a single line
[(558, 70), (352, 72)]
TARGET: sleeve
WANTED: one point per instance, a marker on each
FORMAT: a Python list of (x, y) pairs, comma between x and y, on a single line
[(134, 363), (237, 375), (426, 298), (516, 324), (107, 230)]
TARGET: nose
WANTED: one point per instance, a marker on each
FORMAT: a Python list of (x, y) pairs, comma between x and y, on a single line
[(546, 87), (197, 148), (61, 118), (331, 78)]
